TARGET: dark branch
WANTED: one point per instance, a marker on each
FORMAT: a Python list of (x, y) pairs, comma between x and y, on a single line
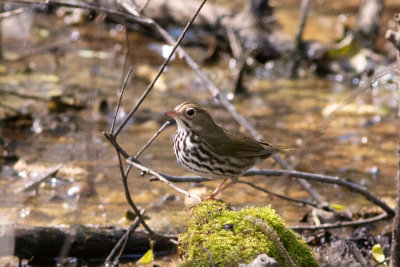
[(380, 217), (303, 202), (151, 140), (303, 175), (128, 75), (110, 260)]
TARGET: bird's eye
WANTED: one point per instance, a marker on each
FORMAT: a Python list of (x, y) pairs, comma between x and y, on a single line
[(190, 112)]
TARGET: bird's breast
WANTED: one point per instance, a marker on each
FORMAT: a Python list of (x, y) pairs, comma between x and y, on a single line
[(196, 156)]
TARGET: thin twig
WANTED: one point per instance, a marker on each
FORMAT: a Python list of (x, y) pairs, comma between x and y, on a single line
[(152, 139), (331, 180), (33, 185), (128, 75), (141, 10), (303, 175), (356, 253), (266, 229), (304, 10), (160, 71), (110, 262), (12, 12), (162, 179), (128, 197), (304, 202), (209, 255), (380, 217), (115, 144)]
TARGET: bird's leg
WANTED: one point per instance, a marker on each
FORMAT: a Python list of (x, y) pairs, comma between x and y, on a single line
[(227, 185), (217, 190), (221, 188)]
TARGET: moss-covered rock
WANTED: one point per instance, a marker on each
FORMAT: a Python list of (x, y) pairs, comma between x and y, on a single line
[(233, 239)]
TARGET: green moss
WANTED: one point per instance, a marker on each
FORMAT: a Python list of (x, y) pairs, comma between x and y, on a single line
[(231, 239)]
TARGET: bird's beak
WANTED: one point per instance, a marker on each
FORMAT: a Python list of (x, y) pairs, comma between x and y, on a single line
[(171, 113)]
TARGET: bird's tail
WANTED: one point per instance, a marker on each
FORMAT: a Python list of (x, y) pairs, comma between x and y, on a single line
[(278, 148)]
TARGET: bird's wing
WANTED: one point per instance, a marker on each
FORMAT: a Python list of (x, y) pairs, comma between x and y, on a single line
[(238, 145)]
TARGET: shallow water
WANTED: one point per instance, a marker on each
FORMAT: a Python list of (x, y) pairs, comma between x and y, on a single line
[(359, 144)]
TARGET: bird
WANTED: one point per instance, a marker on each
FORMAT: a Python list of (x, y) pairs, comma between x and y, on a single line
[(206, 149)]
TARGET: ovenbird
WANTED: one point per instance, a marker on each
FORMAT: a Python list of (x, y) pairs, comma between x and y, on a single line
[(208, 150)]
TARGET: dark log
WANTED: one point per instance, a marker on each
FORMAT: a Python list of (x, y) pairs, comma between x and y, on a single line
[(88, 244)]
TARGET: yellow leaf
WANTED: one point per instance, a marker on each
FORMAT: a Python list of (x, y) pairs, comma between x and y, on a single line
[(337, 206), (346, 48), (148, 256), (377, 253)]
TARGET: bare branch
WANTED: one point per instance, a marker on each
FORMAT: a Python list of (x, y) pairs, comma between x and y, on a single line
[(162, 179), (356, 253), (331, 180), (110, 262), (151, 139), (304, 202), (304, 10), (128, 197), (380, 217), (124, 175), (115, 144), (128, 75), (33, 185), (303, 175)]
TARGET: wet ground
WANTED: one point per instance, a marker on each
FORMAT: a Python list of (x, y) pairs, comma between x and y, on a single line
[(85, 66)]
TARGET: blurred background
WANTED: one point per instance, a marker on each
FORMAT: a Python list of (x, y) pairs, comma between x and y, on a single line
[(62, 68)]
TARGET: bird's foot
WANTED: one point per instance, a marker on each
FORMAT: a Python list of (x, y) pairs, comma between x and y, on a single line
[(210, 197)]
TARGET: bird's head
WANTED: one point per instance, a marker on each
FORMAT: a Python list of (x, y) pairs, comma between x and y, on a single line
[(192, 116)]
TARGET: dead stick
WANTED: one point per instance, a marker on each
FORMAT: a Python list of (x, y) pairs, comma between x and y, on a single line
[(120, 100), (304, 202), (356, 253), (304, 10), (33, 185), (114, 262), (151, 139), (380, 217), (162, 179)]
